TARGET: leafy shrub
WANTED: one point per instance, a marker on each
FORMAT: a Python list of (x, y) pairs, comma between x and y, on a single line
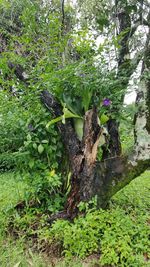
[(124, 243), (12, 123), (26, 144), (112, 233), (7, 162)]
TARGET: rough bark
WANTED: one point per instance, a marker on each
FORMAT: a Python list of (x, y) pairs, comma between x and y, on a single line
[(84, 164), (114, 146), (68, 134), (142, 118)]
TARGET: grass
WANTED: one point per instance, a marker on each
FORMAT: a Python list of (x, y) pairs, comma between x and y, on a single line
[(134, 199), (136, 195), (11, 191), (13, 252)]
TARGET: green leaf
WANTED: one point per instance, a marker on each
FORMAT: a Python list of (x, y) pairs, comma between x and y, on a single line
[(40, 149), (86, 100), (67, 114), (29, 137), (44, 141), (34, 145), (78, 124), (104, 118), (131, 8), (31, 163), (54, 121)]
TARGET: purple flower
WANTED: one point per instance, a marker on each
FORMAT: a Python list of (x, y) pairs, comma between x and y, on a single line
[(106, 102)]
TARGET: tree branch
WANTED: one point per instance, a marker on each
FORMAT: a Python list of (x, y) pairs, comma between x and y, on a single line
[(113, 174), (63, 11), (63, 16), (68, 134)]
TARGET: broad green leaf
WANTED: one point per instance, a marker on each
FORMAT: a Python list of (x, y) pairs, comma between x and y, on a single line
[(40, 149), (34, 145), (44, 141), (31, 163), (67, 114), (78, 124), (29, 137), (104, 118)]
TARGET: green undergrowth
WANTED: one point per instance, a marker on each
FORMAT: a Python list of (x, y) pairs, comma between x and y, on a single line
[(118, 236), (11, 191), (13, 252)]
